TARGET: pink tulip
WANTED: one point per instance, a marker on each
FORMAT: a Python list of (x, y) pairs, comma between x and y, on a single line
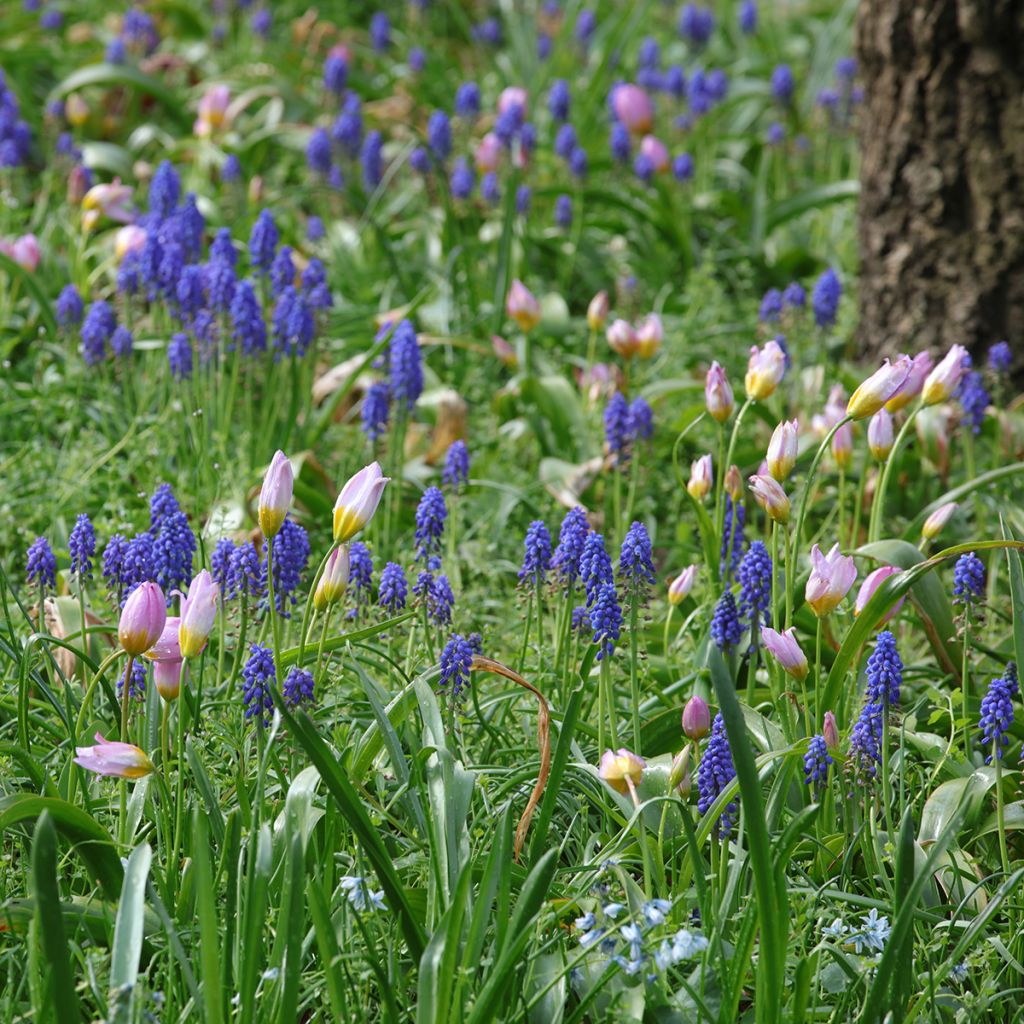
[(25, 252), (830, 731), (782, 449), (871, 583), (522, 306), (621, 769), (275, 495), (935, 523), (142, 619), (213, 111), (920, 367), (942, 381), (334, 580), (513, 96), (118, 760), (597, 311), (488, 153), (696, 718), (503, 350), (831, 577), (633, 107), (702, 477), (768, 493), (622, 339), (786, 650), (113, 201), (657, 152), (198, 614), (765, 370), (718, 396), (649, 336), (129, 239), (679, 589), (168, 646), (167, 676), (358, 502), (881, 386), (880, 434)]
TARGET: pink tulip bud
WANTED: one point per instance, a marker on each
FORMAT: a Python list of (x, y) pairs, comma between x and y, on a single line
[(488, 153), (112, 200), (275, 495), (334, 580), (942, 381), (768, 493), (679, 589), (513, 96), (503, 350), (782, 449), (830, 731), (701, 478), (167, 646), (679, 780), (76, 110), (920, 367), (78, 184), (621, 768), (786, 650), (167, 676), (622, 339), (597, 311), (871, 583), (142, 619), (764, 370), (734, 482), (117, 760), (842, 445), (213, 111), (358, 502), (718, 394), (522, 307), (633, 107), (880, 434), (129, 239), (657, 152), (649, 336), (831, 577), (25, 252), (879, 388), (198, 614), (935, 523), (696, 718)]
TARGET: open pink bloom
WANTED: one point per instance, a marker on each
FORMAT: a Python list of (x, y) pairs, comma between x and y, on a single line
[(622, 338), (770, 496), (871, 583), (831, 577), (597, 311), (119, 760), (935, 523), (276, 495), (522, 306), (920, 366), (657, 152), (358, 502), (142, 619), (787, 651), (633, 107), (679, 589), (113, 201), (718, 396), (765, 369), (620, 769), (198, 614), (129, 239), (880, 434), (942, 381), (702, 477), (213, 111), (782, 449), (882, 385), (649, 335)]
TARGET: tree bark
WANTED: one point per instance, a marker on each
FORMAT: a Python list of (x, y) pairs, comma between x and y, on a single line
[(942, 174)]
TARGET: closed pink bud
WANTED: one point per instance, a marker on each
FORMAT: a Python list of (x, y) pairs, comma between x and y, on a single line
[(765, 370), (718, 394), (167, 676), (920, 367), (334, 580), (786, 650), (488, 153), (649, 336), (734, 482), (679, 780), (830, 731), (842, 445), (198, 614), (622, 338), (25, 252), (871, 583), (503, 350), (276, 495), (940, 384), (113, 759), (512, 96), (881, 386), (880, 434), (213, 111), (358, 502), (830, 580), (597, 311), (620, 769), (522, 307), (935, 523), (701, 478), (768, 493), (696, 718), (142, 619), (679, 589), (782, 449), (657, 152), (633, 107), (129, 239)]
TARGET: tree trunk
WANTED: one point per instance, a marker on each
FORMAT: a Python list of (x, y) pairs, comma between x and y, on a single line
[(942, 174)]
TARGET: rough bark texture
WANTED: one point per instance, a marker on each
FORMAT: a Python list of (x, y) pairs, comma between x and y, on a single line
[(942, 173)]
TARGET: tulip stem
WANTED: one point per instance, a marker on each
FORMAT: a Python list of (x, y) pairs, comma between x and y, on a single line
[(634, 673), (965, 688), (125, 697), (723, 469), (667, 638), (878, 504), (308, 611), (275, 629), (817, 679)]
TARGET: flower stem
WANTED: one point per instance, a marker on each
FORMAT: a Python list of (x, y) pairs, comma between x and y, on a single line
[(878, 504)]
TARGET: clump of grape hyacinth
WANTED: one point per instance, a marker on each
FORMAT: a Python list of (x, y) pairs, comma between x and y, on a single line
[(866, 740), (406, 366), (259, 675), (968, 580), (714, 773), (456, 660), (376, 410), (825, 298)]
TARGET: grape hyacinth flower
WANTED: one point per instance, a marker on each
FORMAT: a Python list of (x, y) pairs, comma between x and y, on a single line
[(393, 591), (1000, 357), (360, 576), (726, 631), (755, 579), (636, 567), (456, 466), (406, 366), (782, 84), (974, 399), (430, 518), (69, 307), (714, 773), (467, 100), (816, 762), (866, 740), (179, 356), (605, 619), (298, 687), (572, 537), (136, 682), (770, 309), (456, 662), (732, 538), (997, 716), (41, 564), (247, 578), (82, 548), (174, 547), (259, 675), (595, 566), (97, 327), (616, 427), (291, 554), (968, 580), (536, 555), (263, 242), (884, 672), (825, 298), (376, 410)]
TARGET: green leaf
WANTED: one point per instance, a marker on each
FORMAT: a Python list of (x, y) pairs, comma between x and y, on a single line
[(814, 198), (965, 796), (30, 280), (913, 531), (437, 965), (290, 655), (60, 982), (125, 76), (206, 912), (1016, 573), (128, 932)]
